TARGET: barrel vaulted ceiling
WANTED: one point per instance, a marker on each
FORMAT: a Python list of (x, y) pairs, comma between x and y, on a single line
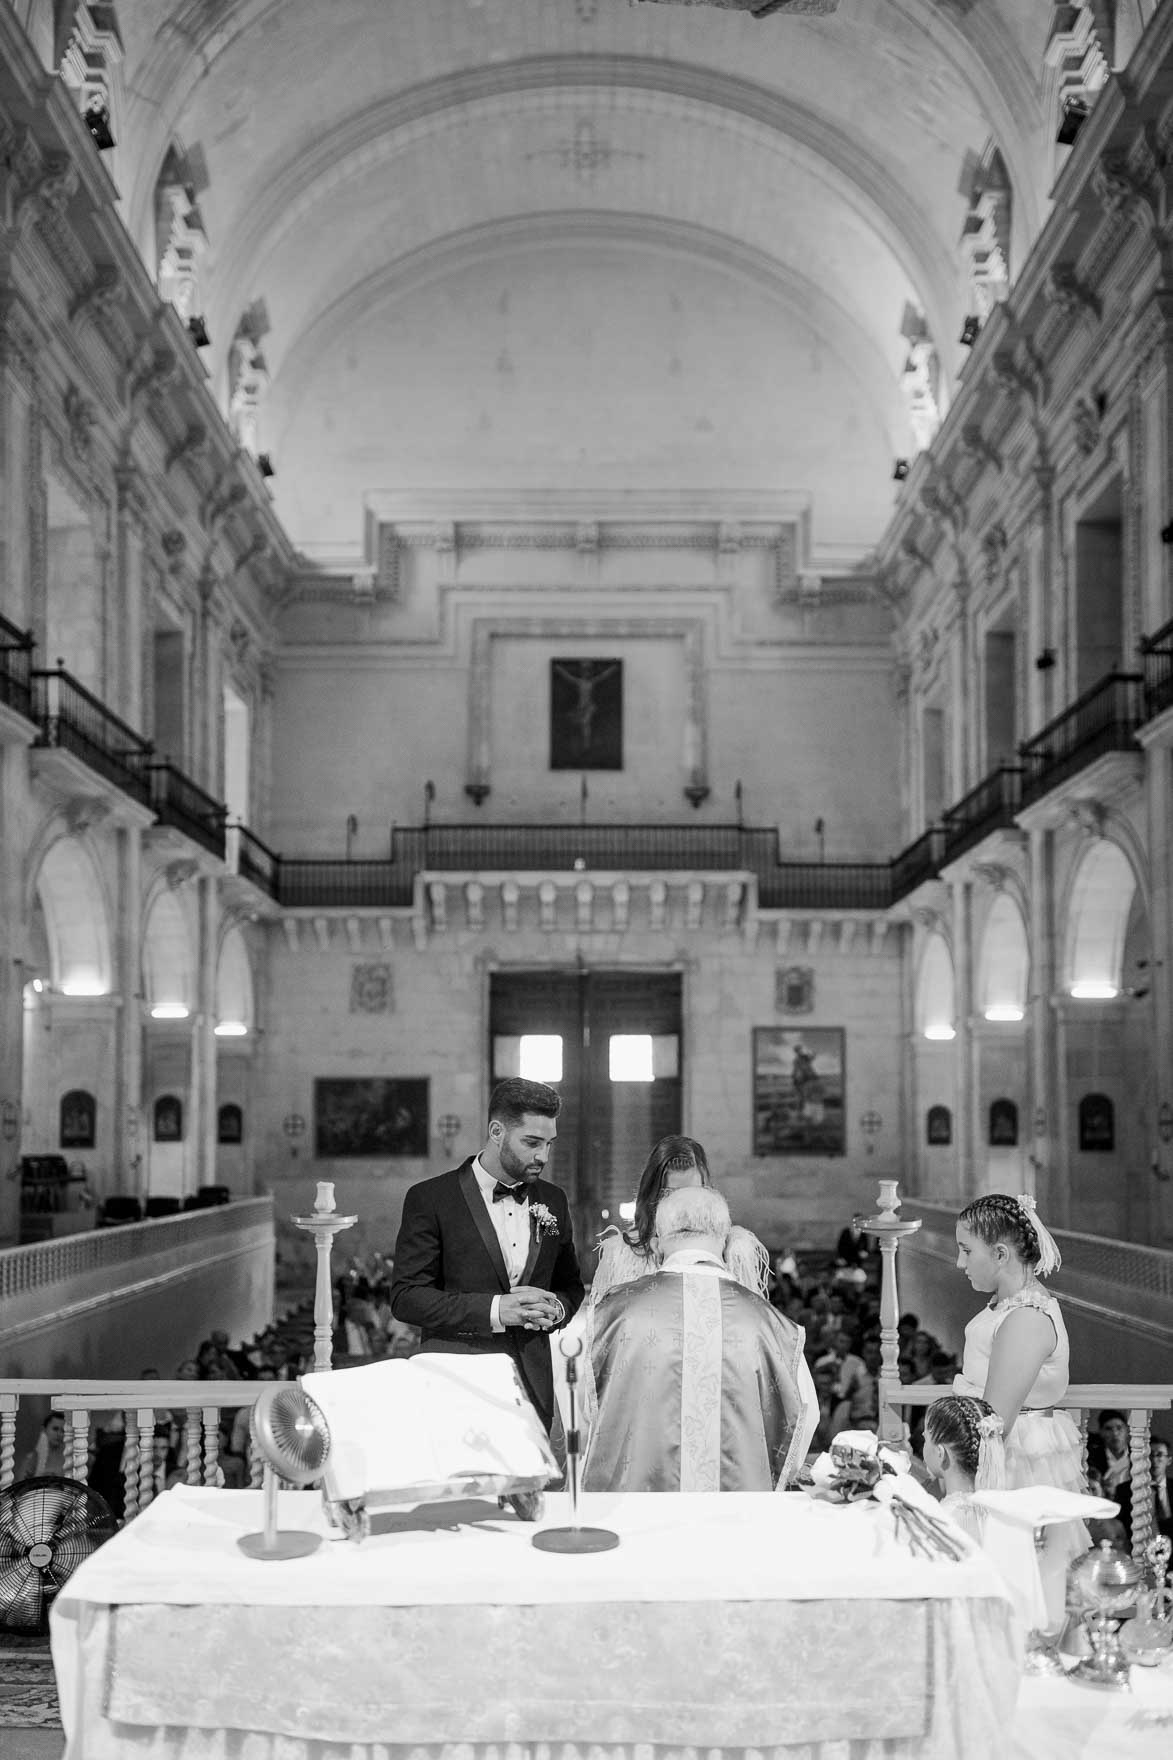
[(545, 245)]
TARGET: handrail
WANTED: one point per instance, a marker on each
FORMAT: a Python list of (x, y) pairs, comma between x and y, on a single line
[(16, 655), (252, 859), (177, 800), (40, 1264), (1102, 686), (1161, 640), (73, 718), (989, 805), (12, 636)]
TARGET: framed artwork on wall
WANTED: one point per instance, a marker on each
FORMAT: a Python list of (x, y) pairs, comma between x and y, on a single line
[(1097, 1125), (78, 1120), (168, 1119), (799, 1091), (586, 714), (230, 1124), (371, 1116), (1003, 1124), (939, 1127)]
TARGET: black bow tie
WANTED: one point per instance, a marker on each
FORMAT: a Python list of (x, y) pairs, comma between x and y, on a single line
[(500, 1190)]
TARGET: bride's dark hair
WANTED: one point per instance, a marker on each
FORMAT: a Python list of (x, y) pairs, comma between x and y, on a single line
[(670, 1155)]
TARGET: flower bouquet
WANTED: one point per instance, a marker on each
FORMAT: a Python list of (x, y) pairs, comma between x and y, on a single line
[(853, 1466)]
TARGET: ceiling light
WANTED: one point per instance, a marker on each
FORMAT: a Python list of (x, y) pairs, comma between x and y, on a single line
[(198, 331), (900, 470), (970, 331), (940, 1030), (230, 1029), (170, 1011), (1004, 1011)]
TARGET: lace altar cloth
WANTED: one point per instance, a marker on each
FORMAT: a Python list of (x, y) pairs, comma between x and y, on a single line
[(753, 1628)]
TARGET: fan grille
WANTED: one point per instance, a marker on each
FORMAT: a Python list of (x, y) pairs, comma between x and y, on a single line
[(47, 1527)]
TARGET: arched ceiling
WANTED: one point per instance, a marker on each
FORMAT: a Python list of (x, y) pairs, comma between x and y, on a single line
[(726, 216)]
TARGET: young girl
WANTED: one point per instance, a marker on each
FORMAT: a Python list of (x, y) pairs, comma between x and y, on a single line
[(1016, 1352), (963, 1451)]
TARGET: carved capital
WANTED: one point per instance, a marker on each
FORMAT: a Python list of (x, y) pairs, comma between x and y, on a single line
[(975, 444), (154, 370), (79, 416), (105, 293), (1067, 292), (192, 445)]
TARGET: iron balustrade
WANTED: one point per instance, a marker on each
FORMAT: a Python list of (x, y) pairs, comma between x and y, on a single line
[(921, 861), (479, 849), (16, 661), (991, 806), (1157, 660), (255, 861), (1104, 719), (71, 718), (176, 800)]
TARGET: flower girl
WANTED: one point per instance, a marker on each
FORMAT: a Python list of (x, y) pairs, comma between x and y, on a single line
[(963, 1451), (1016, 1351)]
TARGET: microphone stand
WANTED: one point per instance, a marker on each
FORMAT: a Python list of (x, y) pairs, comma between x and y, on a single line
[(574, 1538)]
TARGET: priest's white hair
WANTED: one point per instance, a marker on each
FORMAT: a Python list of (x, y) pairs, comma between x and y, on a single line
[(697, 1210)]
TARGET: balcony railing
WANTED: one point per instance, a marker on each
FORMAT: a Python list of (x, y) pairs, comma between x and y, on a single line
[(919, 862), (72, 719), (1104, 719), (176, 800), (16, 661), (1157, 661), (482, 849), (252, 859), (990, 806)]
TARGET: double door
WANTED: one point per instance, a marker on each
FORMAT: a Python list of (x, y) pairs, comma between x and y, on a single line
[(610, 1044)]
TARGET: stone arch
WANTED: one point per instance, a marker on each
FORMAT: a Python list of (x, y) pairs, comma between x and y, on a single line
[(1100, 904), (935, 1005), (77, 926), (169, 964), (1004, 963), (234, 986)]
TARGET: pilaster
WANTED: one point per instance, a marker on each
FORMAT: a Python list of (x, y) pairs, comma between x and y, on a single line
[(963, 1048), (129, 1128)]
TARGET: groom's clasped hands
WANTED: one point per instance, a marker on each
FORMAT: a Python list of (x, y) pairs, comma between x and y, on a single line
[(534, 1309)]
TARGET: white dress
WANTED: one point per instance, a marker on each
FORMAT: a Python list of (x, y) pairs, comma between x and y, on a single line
[(1044, 1446)]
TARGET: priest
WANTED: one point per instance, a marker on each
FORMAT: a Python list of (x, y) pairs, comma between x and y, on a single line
[(692, 1382)]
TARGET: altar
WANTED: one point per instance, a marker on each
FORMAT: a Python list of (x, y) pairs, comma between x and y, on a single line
[(719, 1624)]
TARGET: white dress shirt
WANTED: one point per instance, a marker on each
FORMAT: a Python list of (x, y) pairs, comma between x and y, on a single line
[(510, 1219)]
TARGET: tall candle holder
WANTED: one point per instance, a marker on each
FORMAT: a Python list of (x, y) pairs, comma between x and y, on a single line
[(573, 1538), (889, 1229), (324, 1224)]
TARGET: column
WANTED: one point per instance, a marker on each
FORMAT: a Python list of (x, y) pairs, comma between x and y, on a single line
[(1159, 791), (1044, 1124), (126, 678), (967, 1162), (129, 1134), (203, 1042)]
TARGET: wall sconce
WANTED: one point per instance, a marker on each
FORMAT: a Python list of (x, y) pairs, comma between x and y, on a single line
[(900, 470), (293, 1124), (9, 1120), (198, 331), (265, 465), (96, 117), (1045, 660), (448, 1126), (971, 329), (1071, 120)]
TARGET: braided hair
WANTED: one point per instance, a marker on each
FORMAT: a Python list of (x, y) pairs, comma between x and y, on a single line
[(999, 1217), (973, 1430)]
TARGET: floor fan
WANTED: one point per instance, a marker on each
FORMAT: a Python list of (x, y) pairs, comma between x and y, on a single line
[(47, 1527)]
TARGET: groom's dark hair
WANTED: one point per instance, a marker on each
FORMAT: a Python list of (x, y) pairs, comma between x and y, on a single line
[(514, 1097)]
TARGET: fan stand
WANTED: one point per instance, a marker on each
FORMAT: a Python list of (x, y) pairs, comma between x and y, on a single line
[(272, 1542), (573, 1538)]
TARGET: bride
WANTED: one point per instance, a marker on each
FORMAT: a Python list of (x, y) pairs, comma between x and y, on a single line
[(625, 1254)]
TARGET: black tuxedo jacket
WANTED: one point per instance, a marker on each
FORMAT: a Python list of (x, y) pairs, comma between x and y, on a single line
[(449, 1266)]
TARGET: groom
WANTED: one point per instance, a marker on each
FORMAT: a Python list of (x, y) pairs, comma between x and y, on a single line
[(485, 1258)]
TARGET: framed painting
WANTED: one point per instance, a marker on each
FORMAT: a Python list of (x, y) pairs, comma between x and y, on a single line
[(1003, 1131), (586, 714), (230, 1124), (78, 1120), (371, 1116), (799, 1091), (1097, 1125), (939, 1127), (168, 1119)]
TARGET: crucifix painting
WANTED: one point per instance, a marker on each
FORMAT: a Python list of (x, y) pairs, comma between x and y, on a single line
[(586, 714)]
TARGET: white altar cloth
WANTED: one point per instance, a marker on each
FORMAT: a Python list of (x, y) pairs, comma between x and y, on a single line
[(721, 1623)]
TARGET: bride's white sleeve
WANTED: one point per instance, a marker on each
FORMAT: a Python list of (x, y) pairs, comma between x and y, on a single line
[(618, 1263), (748, 1261)]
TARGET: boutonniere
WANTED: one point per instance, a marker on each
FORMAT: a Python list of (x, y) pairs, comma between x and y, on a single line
[(543, 1219)]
